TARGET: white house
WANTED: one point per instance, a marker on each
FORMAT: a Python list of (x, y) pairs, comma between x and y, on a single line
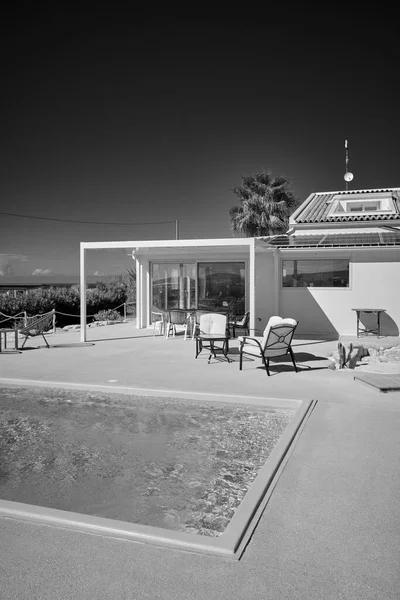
[(342, 251)]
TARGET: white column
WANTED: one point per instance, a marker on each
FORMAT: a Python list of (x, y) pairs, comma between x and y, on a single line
[(138, 293), (277, 282), (82, 289), (252, 284), (146, 296)]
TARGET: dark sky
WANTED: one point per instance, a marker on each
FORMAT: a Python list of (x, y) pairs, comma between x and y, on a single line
[(112, 117)]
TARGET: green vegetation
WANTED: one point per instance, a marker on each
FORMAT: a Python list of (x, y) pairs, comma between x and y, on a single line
[(104, 297), (266, 203)]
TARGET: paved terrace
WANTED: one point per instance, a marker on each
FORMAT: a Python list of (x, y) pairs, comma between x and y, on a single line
[(330, 529)]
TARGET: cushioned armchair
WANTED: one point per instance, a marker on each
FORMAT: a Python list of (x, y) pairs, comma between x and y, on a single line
[(195, 320), (276, 341), (213, 329)]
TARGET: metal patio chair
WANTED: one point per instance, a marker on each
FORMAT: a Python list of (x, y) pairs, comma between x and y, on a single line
[(158, 318), (240, 322), (177, 318), (37, 326), (213, 329), (276, 341)]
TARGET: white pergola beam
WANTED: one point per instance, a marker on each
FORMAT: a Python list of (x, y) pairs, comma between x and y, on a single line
[(169, 244)]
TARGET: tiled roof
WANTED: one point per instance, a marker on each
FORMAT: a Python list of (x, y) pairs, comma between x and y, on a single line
[(317, 209)]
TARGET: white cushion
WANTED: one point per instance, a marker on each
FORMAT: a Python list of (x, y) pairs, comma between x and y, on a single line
[(251, 346), (213, 323)]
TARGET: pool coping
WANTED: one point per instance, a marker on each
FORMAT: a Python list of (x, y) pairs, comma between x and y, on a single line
[(233, 541)]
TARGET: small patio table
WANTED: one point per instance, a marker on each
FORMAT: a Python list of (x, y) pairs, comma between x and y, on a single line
[(377, 330), (201, 342), (5, 331)]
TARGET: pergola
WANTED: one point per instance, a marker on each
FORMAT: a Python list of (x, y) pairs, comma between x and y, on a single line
[(225, 247)]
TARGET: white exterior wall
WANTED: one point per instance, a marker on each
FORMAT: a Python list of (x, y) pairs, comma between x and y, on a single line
[(265, 297), (374, 283)]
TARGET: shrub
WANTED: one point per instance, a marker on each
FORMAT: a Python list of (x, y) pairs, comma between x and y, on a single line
[(64, 300)]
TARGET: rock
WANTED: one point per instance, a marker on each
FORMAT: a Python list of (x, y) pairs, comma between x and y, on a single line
[(354, 356)]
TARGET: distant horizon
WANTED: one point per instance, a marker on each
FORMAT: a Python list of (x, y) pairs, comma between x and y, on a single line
[(53, 279)]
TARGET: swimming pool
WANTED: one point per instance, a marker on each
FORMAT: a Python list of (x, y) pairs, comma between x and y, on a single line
[(174, 471)]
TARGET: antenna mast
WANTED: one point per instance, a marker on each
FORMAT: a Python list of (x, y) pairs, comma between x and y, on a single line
[(347, 176)]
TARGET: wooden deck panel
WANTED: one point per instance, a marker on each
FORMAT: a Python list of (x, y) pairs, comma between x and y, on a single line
[(383, 381)]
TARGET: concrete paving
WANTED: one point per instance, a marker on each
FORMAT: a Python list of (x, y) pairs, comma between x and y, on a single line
[(330, 529)]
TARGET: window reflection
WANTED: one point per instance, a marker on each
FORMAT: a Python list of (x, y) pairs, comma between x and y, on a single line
[(221, 285), (315, 273), (173, 286)]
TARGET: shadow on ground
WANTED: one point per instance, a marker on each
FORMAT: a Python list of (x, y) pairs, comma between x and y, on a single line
[(283, 363)]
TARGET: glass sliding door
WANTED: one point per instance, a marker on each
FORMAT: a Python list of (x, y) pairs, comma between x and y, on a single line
[(221, 286), (173, 285)]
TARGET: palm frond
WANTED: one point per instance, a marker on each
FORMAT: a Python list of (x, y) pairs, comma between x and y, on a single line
[(266, 204)]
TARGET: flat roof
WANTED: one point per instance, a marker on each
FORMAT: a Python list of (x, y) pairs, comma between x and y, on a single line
[(196, 243)]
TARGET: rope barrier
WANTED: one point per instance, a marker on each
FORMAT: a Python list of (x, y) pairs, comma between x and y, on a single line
[(14, 317), (56, 312)]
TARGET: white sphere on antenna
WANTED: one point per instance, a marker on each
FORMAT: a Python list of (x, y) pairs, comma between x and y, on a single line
[(348, 176)]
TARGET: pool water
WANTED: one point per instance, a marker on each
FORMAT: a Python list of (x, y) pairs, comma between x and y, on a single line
[(177, 464)]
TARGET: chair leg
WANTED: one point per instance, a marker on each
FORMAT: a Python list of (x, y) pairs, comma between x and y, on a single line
[(24, 342), (45, 341), (266, 364), (199, 347), (293, 361), (240, 359)]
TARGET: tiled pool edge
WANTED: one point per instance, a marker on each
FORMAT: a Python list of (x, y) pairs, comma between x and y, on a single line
[(229, 544), (161, 393), (249, 512)]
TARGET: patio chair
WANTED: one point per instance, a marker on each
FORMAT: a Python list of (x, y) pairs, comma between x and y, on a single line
[(213, 329), (158, 319), (195, 320), (240, 322), (177, 318), (37, 326), (276, 341)]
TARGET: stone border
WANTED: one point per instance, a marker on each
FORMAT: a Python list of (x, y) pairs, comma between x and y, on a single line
[(232, 542)]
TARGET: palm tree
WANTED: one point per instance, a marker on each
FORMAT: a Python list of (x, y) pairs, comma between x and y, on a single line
[(266, 203)]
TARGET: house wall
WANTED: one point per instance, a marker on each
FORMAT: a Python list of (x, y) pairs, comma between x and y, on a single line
[(265, 292), (326, 312)]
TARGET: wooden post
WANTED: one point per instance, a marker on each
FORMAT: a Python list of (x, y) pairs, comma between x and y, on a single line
[(54, 320)]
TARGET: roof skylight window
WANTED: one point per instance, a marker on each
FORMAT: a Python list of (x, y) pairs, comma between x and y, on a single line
[(361, 204)]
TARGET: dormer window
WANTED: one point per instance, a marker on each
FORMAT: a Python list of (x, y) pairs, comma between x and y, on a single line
[(363, 206), (360, 204)]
